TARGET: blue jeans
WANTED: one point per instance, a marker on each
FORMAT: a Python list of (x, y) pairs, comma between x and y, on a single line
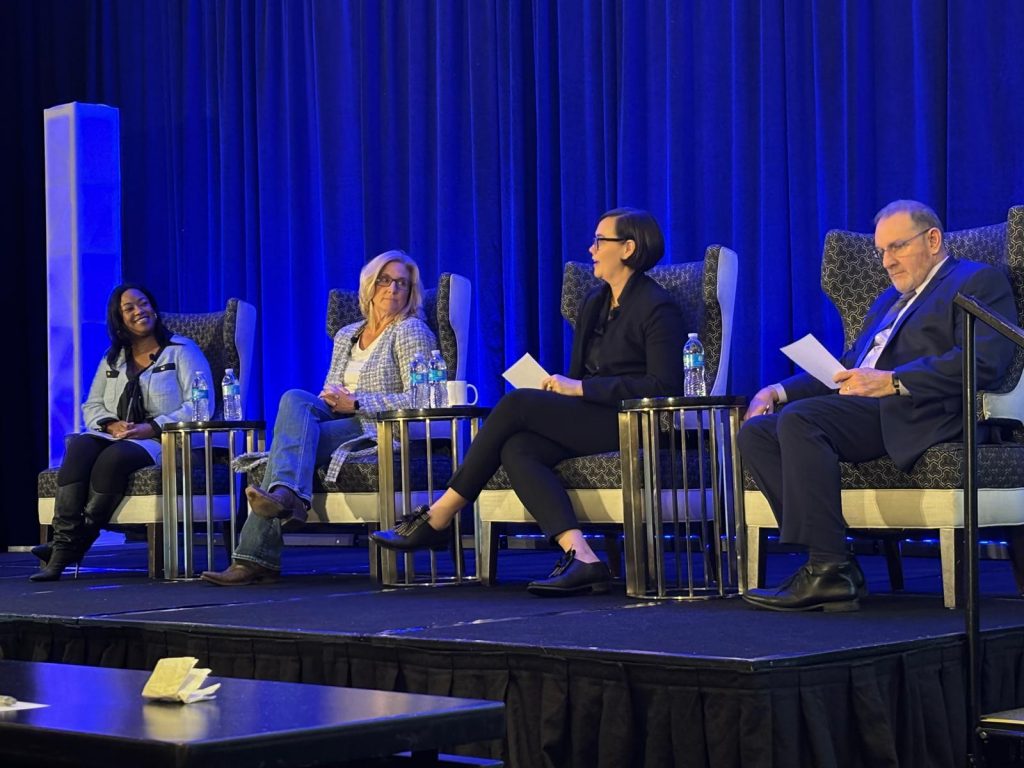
[(305, 435)]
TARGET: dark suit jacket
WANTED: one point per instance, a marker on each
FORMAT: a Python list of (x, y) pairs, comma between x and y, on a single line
[(924, 351), (642, 347)]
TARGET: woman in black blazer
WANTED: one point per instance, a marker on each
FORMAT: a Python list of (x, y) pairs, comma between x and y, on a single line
[(628, 344)]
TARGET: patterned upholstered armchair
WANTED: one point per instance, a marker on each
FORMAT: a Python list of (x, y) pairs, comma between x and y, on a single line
[(877, 496), (352, 499), (706, 291), (227, 339)]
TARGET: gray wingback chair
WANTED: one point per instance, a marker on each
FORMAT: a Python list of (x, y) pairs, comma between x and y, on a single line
[(706, 292), (226, 338), (878, 496)]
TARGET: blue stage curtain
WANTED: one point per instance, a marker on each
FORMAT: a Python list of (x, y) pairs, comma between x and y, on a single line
[(270, 147)]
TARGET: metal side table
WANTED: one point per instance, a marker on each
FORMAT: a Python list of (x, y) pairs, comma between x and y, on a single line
[(660, 500), (394, 427), (179, 508)]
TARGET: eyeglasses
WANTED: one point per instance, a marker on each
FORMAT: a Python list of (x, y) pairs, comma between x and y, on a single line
[(598, 239), (383, 281), (899, 245)]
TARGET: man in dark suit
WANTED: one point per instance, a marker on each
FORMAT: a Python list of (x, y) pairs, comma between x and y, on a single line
[(900, 395)]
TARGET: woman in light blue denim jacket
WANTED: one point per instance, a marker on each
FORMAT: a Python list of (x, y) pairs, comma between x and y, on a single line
[(143, 382), (369, 372)]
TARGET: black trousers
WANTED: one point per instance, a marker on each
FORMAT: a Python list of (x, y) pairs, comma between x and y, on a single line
[(794, 456), (105, 464), (528, 433)]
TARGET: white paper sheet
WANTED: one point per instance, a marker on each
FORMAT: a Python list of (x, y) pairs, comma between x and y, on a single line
[(810, 355), (525, 373)]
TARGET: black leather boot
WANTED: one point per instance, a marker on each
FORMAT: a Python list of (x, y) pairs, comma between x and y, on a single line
[(98, 510), (43, 551), (72, 537), (68, 525), (69, 512), (59, 560)]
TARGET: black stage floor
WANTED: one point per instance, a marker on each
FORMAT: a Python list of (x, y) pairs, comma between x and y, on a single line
[(711, 682)]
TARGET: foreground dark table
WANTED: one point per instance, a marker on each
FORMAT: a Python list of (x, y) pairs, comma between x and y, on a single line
[(97, 717)]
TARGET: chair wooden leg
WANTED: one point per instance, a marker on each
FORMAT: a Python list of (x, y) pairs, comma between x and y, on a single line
[(225, 537), (487, 557), (894, 562), (755, 558), (951, 549), (614, 552), (155, 547), (1016, 546), (376, 554), (44, 534)]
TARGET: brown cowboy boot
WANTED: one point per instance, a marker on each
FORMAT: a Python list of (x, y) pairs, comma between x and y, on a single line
[(281, 503)]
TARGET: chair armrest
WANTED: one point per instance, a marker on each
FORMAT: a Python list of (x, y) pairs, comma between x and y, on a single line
[(1002, 406)]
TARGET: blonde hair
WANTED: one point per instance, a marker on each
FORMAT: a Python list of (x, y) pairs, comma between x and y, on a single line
[(368, 282)]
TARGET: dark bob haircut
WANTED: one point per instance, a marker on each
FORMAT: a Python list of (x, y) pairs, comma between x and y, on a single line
[(120, 337), (640, 227)]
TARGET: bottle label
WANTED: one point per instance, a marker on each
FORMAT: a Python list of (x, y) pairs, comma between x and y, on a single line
[(693, 360), (200, 394), (231, 389)]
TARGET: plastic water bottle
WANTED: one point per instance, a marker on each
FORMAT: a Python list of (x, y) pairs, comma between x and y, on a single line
[(693, 368), (232, 396), (418, 382), (438, 377), (200, 397)]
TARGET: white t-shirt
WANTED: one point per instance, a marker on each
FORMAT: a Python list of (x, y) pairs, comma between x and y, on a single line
[(356, 360)]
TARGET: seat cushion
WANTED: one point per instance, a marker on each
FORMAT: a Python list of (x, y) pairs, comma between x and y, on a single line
[(941, 466), (604, 470), (148, 481)]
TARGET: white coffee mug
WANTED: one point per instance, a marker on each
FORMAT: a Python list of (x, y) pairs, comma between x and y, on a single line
[(458, 393)]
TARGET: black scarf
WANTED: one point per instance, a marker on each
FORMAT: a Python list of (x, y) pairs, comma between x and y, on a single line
[(129, 407)]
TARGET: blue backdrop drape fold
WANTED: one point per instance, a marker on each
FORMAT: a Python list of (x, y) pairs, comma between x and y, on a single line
[(270, 147)]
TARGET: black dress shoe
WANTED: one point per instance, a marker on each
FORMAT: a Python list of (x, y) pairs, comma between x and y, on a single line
[(828, 587), (414, 532), (857, 577), (573, 577)]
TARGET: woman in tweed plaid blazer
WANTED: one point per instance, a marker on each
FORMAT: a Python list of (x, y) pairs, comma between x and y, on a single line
[(369, 372)]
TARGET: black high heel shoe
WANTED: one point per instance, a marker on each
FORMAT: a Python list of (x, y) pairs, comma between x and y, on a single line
[(45, 553), (414, 532), (59, 560)]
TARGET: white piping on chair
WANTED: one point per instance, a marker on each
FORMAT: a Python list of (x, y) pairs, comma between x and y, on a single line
[(245, 331), (728, 267), (459, 306)]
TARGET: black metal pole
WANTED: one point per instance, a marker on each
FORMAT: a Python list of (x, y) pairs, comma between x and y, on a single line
[(970, 503)]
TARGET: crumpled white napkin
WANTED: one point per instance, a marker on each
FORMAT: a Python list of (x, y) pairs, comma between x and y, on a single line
[(176, 679)]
